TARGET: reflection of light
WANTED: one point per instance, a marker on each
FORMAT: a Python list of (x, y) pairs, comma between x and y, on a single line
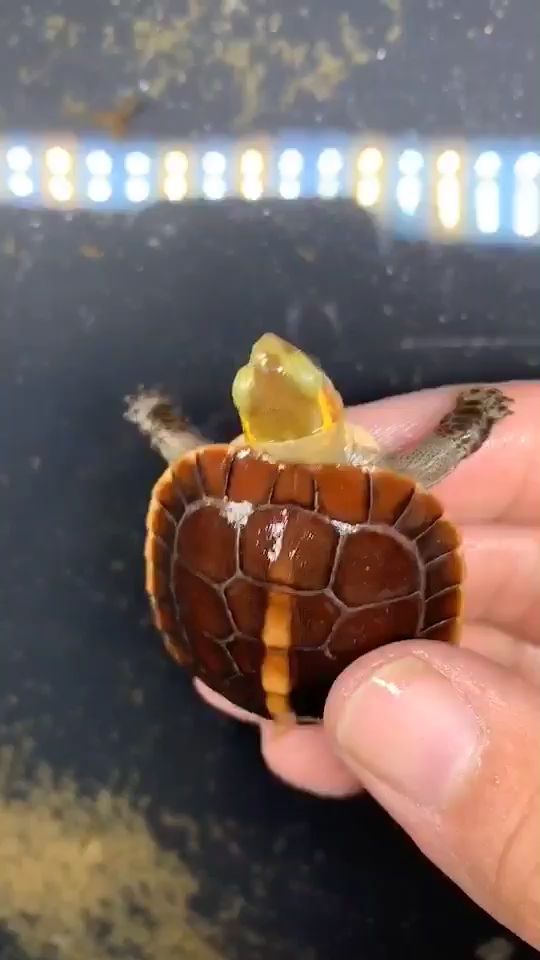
[(99, 190), (290, 164), (410, 163), (448, 162), (526, 209), (289, 189), (176, 162), (137, 164), (448, 202), (328, 188), (137, 189), (214, 187), (214, 164), (487, 193), (19, 159), (368, 191), (369, 184), (486, 198), (60, 189), (175, 188), (487, 165), (527, 166), (370, 161), (251, 174), (58, 161), (526, 216), (409, 193), (251, 188), (99, 163), (330, 163), (20, 184), (251, 163)]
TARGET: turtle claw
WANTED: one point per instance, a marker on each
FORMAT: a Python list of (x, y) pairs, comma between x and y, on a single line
[(155, 416), (493, 405)]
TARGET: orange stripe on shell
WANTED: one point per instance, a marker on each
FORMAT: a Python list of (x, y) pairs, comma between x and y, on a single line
[(275, 670)]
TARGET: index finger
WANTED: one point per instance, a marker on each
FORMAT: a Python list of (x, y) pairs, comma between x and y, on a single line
[(497, 483)]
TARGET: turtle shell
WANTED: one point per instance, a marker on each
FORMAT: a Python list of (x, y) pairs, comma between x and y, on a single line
[(267, 580)]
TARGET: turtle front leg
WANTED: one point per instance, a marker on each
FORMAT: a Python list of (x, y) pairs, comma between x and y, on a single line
[(458, 435), (169, 433)]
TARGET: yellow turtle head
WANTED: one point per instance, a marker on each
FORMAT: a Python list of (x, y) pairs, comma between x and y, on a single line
[(282, 395)]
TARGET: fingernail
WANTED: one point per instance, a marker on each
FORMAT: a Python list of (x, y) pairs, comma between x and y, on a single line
[(409, 727)]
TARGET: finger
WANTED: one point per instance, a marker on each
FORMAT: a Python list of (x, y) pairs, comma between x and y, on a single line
[(449, 744), (499, 481), (300, 756), (502, 587), (315, 774), (225, 706), (304, 758), (282, 753), (502, 578), (503, 648)]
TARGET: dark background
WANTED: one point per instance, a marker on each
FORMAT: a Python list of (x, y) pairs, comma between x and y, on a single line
[(176, 297)]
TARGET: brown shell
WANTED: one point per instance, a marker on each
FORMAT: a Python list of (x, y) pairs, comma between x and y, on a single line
[(267, 580)]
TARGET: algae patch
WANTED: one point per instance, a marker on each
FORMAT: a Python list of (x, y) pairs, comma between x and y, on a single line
[(83, 877)]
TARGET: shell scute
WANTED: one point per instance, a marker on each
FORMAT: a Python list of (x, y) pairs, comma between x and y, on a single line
[(178, 648), (269, 580), (312, 620), (288, 546), (294, 485), (422, 511), (247, 605), (207, 541), (212, 656), (251, 479), (187, 479), (162, 523), (446, 632), (442, 537), (157, 568), (165, 617), (168, 494), (373, 566), (390, 495), (443, 572), (244, 690), (248, 654), (368, 628), (344, 493), (441, 607), (214, 464), (315, 672), (203, 608)]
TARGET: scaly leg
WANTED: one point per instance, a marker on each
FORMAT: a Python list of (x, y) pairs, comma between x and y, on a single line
[(459, 434), (153, 413)]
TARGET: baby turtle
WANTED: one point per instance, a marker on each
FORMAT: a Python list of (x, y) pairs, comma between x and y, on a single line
[(274, 561)]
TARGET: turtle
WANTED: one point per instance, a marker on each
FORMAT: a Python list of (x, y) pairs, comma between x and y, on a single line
[(275, 560)]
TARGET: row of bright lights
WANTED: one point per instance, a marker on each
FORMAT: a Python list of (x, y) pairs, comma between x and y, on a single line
[(330, 163), (368, 179)]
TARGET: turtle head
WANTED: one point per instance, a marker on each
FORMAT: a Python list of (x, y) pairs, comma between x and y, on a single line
[(283, 396)]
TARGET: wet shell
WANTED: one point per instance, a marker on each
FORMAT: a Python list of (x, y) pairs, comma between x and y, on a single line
[(267, 580)]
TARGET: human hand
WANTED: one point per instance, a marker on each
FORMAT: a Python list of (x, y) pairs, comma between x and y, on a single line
[(447, 739)]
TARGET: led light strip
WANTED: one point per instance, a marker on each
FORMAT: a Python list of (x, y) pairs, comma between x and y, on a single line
[(526, 206), (451, 191)]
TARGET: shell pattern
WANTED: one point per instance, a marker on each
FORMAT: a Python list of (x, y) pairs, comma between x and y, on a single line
[(267, 580)]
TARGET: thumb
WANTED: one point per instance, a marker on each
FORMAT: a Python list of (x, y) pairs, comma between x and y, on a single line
[(449, 744)]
